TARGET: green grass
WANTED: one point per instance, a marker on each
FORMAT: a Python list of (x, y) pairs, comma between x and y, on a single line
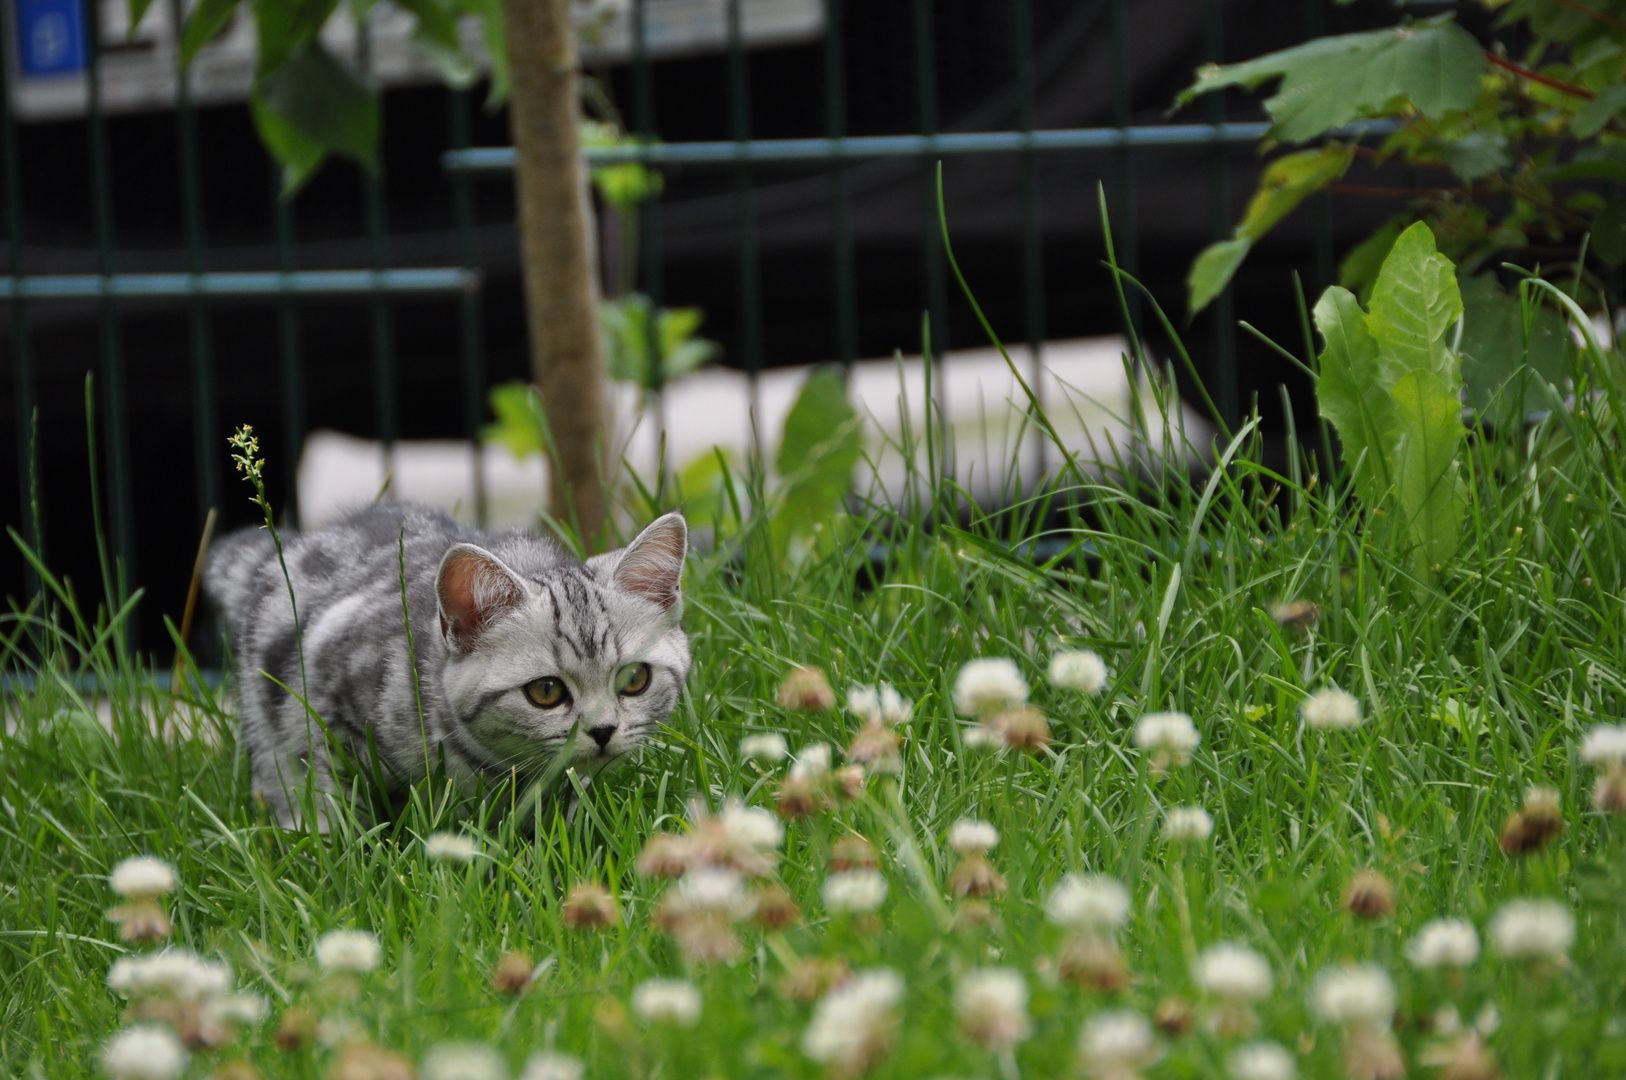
[(1476, 685)]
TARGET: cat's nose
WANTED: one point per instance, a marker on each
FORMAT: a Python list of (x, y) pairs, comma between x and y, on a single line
[(602, 735)]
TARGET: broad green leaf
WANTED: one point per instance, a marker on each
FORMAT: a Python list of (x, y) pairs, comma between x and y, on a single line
[(1476, 154), (1288, 181), (1433, 66), (1609, 234), (437, 40), (821, 444), (496, 36), (298, 155), (701, 486), (325, 102), (1349, 394), (1590, 118), (1428, 484), (204, 24), (1213, 270), (625, 323), (138, 11), (520, 424), (1501, 368), (284, 26), (1414, 303), (1360, 267)]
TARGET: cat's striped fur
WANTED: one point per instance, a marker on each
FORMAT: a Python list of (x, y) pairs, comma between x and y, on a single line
[(492, 618)]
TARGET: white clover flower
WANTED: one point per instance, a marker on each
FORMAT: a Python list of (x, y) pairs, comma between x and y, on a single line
[(355, 951), (881, 705), (972, 837), (1080, 670), (1532, 929), (989, 685), (852, 1026), (1331, 708), (667, 1001), (1605, 744), (812, 763), (142, 876), (1233, 971), (463, 1061), (1260, 1061), (710, 888), (450, 847), (1092, 903), (549, 1065), (858, 890), (144, 1053), (992, 1007), (1117, 1043), (982, 737), (237, 1009), (1167, 732), (1354, 994), (751, 825), (1188, 823), (1444, 943), (177, 973), (769, 748)]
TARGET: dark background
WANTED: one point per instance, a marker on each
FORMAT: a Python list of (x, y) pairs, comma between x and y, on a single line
[(1178, 209)]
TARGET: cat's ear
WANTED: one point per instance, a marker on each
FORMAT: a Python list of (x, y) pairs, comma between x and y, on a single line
[(652, 565), (473, 588)]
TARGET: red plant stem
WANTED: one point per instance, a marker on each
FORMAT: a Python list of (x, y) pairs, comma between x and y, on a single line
[(1536, 76)]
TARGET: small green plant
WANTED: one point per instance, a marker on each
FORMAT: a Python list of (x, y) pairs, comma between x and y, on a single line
[(652, 356)]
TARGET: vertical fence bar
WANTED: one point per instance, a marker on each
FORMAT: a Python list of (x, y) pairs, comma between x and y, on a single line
[(378, 304), (1315, 25), (113, 396), (835, 107), (931, 237), (745, 211), (291, 341), (473, 350), (22, 360), (1224, 304), (205, 420), (1126, 231), (1032, 240)]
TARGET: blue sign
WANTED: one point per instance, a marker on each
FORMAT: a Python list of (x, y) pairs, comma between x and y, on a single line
[(51, 36)]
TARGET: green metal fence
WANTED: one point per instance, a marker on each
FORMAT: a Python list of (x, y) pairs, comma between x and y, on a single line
[(382, 285)]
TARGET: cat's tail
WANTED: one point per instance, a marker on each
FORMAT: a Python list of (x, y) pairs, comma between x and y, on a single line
[(230, 569)]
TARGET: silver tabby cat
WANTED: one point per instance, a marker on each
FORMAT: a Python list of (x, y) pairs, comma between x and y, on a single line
[(516, 642)]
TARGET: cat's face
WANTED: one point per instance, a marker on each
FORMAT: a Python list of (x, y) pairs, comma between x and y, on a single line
[(597, 648)]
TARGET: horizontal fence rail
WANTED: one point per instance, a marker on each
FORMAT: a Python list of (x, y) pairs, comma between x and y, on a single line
[(242, 285), (497, 159)]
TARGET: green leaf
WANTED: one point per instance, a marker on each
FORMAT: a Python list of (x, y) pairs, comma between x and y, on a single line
[(1288, 181), (821, 444), (204, 24), (496, 34), (1349, 393), (1609, 234), (1503, 369), (1476, 154), (1433, 66), (437, 40), (298, 155), (1213, 270), (325, 102), (1590, 118), (284, 26), (1429, 489), (138, 11), (1360, 267), (520, 425), (1414, 303)]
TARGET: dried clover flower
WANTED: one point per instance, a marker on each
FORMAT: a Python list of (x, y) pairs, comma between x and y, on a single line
[(589, 906), (1370, 895), (1536, 823), (806, 689)]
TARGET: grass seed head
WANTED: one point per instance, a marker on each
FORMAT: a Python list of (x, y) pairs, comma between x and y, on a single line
[(144, 1052), (806, 690), (589, 906), (1369, 895), (1080, 670)]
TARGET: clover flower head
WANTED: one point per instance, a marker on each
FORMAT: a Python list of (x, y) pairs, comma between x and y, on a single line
[(550, 1065), (353, 951), (145, 1052), (812, 762), (1353, 994), (179, 974), (1233, 971), (463, 1061), (1080, 670), (1331, 709), (1260, 1061), (1605, 744), (1089, 902), (1188, 823), (857, 891), (1444, 943), (1117, 1043), (142, 876), (970, 836), (991, 1005), (988, 685), (768, 748), (450, 847), (1170, 733), (853, 1024), (667, 1001), (750, 825), (1532, 930), (880, 705)]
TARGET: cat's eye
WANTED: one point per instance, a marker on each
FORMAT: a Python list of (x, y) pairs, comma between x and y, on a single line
[(632, 680), (547, 692)]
